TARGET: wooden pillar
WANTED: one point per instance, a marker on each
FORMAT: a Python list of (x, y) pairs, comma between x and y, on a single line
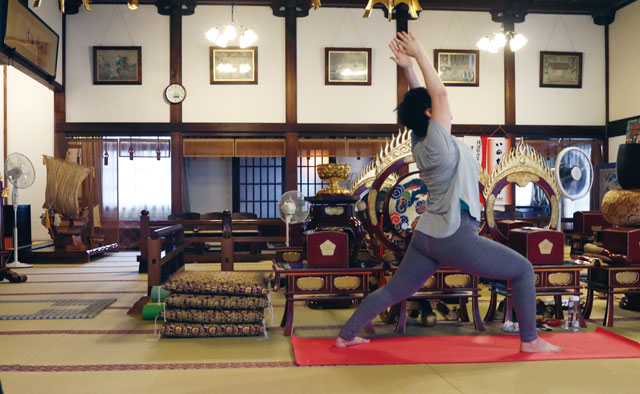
[(291, 88), (509, 80), (402, 24), (176, 172), (59, 102), (175, 55)]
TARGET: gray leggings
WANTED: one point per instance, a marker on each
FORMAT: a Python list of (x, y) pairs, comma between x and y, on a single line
[(464, 250)]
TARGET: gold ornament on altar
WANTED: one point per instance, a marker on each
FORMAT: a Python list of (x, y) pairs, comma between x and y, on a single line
[(414, 7), (334, 173)]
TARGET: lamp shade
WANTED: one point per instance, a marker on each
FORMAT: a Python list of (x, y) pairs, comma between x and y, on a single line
[(517, 42), (212, 34)]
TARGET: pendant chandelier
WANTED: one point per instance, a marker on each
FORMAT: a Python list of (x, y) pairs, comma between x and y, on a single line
[(223, 34), (493, 42)]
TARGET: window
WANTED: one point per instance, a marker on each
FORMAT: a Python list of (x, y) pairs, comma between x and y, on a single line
[(258, 184), (308, 180)]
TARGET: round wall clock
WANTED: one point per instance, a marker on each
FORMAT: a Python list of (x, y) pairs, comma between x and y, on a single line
[(175, 93)]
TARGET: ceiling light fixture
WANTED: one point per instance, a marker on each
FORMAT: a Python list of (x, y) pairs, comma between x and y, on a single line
[(493, 42), (222, 35)]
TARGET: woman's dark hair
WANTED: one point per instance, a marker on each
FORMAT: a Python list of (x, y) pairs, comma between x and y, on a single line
[(411, 112)]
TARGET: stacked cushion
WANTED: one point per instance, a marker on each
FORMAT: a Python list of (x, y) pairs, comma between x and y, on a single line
[(213, 304)]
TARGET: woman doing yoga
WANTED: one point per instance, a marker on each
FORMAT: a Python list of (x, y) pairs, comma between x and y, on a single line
[(447, 233)]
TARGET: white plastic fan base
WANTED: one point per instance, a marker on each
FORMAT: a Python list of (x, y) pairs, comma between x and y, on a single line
[(17, 264)]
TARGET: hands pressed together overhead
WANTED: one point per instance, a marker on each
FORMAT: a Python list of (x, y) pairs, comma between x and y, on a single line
[(404, 47)]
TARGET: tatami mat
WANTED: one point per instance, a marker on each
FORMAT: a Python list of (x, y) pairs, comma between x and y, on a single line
[(115, 352)]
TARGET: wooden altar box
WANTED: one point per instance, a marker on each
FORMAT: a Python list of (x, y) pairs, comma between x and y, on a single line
[(328, 249), (623, 240), (506, 225), (588, 222), (538, 245)]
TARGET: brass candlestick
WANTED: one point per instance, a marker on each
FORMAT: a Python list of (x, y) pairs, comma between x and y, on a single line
[(334, 173)]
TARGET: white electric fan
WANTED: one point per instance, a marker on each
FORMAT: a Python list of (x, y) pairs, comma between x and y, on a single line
[(293, 209), (574, 173), (21, 174)]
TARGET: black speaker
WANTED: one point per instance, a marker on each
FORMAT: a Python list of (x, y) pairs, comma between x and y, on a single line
[(24, 224)]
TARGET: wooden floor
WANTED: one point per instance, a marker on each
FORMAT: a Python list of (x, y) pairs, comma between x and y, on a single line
[(116, 353)]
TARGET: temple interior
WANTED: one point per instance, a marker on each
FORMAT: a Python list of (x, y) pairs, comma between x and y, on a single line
[(196, 192)]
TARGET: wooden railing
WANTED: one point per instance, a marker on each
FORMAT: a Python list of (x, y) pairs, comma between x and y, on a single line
[(226, 237), (165, 254)]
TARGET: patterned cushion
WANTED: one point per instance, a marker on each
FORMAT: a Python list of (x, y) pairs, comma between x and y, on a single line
[(213, 316), (238, 283), (215, 302), (622, 207), (194, 330)]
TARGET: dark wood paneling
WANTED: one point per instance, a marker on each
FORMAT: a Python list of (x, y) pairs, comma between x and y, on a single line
[(307, 130), (176, 173), (175, 54), (619, 127), (291, 70), (606, 72)]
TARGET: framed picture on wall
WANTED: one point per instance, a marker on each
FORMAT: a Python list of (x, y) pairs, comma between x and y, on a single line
[(117, 65), (233, 65), (560, 69), (605, 180), (29, 36), (457, 67), (347, 66)]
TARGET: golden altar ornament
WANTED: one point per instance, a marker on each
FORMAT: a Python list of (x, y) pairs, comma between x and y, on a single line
[(414, 7), (334, 173)]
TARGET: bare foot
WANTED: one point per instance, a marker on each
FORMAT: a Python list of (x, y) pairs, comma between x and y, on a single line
[(355, 341), (539, 346)]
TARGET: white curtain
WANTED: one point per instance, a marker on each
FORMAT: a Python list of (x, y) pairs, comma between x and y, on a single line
[(144, 183)]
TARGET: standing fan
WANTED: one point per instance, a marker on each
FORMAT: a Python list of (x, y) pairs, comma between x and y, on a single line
[(574, 173), (20, 173), (293, 209)]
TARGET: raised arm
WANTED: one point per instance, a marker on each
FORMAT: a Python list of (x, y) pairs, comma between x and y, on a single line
[(440, 110), (405, 63)]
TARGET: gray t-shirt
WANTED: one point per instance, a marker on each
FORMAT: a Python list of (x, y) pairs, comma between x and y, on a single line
[(450, 172)]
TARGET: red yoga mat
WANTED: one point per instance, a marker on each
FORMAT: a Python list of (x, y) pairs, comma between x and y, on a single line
[(461, 349)]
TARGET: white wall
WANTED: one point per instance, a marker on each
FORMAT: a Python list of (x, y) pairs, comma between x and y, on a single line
[(624, 57), (461, 30), (264, 102), (30, 132), (50, 14), (560, 106), (614, 143), (209, 183), (344, 27), (117, 103)]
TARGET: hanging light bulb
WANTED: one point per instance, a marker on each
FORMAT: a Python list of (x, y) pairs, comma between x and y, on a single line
[(500, 40), (247, 38), (517, 42), (483, 44), (221, 41), (212, 34), (131, 151), (230, 32), (106, 157), (493, 46)]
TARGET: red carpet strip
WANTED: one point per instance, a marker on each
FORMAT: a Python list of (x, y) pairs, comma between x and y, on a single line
[(145, 367), (462, 349)]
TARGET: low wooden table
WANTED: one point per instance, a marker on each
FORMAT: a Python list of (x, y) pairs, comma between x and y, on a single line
[(555, 280), (323, 284), (447, 283), (611, 280)]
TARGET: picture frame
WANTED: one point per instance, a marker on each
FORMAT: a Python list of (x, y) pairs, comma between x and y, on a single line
[(347, 66), (29, 37), (605, 180), (233, 65), (560, 69), (457, 67), (117, 65)]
